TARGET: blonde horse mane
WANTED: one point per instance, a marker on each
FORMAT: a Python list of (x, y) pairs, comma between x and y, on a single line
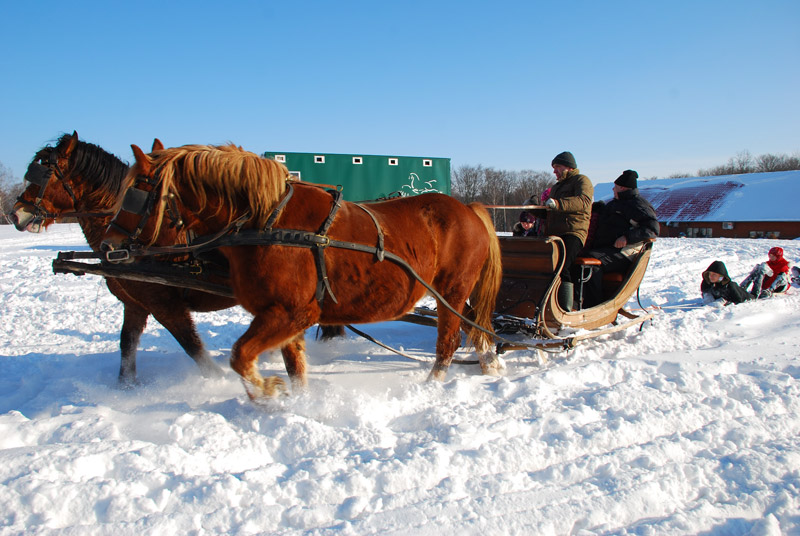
[(239, 179)]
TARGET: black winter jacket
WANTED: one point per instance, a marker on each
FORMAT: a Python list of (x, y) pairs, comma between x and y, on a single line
[(631, 216), (726, 289)]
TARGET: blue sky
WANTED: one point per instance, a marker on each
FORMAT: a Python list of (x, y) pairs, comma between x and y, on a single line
[(660, 87)]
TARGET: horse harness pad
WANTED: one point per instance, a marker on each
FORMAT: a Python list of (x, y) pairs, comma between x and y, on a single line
[(142, 202)]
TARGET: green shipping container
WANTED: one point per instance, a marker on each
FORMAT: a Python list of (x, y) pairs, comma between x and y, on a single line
[(368, 177)]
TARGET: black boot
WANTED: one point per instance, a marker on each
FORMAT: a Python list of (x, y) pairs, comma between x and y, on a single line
[(565, 296)]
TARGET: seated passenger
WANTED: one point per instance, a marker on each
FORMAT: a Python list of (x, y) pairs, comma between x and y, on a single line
[(537, 224), (526, 226), (569, 210), (718, 285), (769, 277), (622, 224)]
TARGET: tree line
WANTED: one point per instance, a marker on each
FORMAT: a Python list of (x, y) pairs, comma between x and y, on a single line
[(501, 187), (10, 188), (744, 162)]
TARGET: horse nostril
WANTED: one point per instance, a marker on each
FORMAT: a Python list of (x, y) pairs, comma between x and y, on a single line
[(11, 218), (106, 246)]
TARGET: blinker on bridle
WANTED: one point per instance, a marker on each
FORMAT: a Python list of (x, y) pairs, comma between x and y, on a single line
[(141, 203), (39, 173)]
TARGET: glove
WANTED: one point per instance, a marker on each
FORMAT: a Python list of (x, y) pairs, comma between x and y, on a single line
[(551, 203)]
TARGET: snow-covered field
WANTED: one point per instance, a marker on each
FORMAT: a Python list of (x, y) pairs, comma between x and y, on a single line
[(690, 427)]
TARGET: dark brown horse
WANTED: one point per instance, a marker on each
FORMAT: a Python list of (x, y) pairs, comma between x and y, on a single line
[(287, 287), (79, 179)]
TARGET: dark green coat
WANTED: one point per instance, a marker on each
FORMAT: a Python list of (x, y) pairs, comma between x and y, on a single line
[(573, 196)]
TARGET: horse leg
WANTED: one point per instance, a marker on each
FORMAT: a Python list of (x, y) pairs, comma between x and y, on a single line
[(180, 324), (134, 320), (448, 340), (294, 357), (267, 330)]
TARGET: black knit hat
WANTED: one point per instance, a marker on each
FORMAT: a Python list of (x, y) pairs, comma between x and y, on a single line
[(565, 159), (627, 179), (526, 217)]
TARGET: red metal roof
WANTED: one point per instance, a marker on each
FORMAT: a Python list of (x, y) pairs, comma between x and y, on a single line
[(690, 203)]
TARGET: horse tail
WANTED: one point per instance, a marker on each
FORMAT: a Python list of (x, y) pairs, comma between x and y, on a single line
[(484, 294)]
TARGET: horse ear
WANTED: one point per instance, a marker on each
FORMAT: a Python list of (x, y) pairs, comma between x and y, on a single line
[(73, 142), (157, 145), (142, 160)]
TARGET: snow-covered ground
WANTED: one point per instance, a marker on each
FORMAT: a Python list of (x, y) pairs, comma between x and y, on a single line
[(690, 427)]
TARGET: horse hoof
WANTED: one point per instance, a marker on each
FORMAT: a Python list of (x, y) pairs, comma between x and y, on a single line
[(492, 365), (271, 387), (127, 383), (211, 371), (437, 375), (299, 385), (274, 386)]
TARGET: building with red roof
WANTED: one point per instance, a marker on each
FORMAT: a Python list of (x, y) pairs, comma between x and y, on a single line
[(752, 205)]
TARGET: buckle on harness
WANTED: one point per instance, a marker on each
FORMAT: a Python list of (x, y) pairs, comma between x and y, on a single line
[(118, 255)]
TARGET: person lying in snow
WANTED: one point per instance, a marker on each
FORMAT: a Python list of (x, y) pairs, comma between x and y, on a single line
[(770, 277), (717, 285)]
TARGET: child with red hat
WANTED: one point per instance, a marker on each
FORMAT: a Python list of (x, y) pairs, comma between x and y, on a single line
[(770, 277)]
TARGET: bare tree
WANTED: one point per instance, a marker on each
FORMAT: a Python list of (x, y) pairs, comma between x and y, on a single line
[(467, 182), (770, 162), (10, 188), (742, 162), (532, 184), (497, 187)]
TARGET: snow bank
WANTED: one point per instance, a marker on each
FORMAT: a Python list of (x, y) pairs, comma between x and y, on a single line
[(689, 427)]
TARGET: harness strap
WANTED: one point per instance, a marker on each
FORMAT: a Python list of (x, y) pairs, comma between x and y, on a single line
[(380, 251), (323, 283), (287, 195)]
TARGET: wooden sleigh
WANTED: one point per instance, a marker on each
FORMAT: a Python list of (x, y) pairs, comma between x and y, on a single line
[(528, 298)]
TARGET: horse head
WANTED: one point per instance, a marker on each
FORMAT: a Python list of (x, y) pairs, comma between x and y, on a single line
[(199, 187), (132, 225), (73, 178), (48, 192)]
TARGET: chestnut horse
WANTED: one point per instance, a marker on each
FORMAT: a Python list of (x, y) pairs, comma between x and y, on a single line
[(287, 287), (80, 179)]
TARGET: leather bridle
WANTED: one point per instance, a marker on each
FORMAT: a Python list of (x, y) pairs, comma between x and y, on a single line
[(142, 203), (39, 173)]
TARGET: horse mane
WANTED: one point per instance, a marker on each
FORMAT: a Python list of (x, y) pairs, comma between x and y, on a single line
[(101, 170), (241, 180)]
